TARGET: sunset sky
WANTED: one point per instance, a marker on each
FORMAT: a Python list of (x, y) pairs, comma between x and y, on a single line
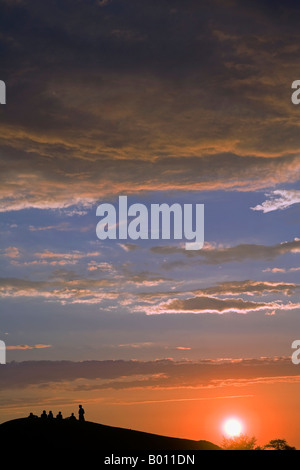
[(162, 101)]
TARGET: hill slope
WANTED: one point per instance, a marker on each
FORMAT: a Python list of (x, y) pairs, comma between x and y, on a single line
[(55, 434)]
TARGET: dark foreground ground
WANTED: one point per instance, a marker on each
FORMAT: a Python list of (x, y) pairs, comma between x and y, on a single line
[(75, 435)]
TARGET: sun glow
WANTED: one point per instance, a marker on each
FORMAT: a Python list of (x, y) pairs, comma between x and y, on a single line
[(233, 427)]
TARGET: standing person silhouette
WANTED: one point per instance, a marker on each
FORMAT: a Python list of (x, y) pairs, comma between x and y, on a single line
[(81, 413)]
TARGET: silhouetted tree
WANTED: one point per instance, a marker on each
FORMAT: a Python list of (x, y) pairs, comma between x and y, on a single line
[(241, 442), (279, 444)]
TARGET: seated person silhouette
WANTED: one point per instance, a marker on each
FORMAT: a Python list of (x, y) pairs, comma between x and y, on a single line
[(31, 415), (81, 413), (59, 415), (72, 417), (50, 415), (44, 415)]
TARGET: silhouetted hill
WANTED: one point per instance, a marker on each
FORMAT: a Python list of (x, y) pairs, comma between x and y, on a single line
[(56, 434)]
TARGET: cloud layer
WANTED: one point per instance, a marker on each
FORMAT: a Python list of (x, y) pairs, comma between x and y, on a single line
[(124, 98), (161, 374)]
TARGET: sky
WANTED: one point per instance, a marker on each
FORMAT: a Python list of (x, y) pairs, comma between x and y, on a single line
[(164, 102)]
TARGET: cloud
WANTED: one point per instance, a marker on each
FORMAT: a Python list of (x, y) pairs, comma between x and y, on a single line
[(279, 199), (232, 254), (71, 213), (163, 373), (53, 189), (66, 256), (77, 291), (232, 288), (51, 258), (274, 270), (179, 400), (145, 344), (100, 266), (27, 346), (132, 115), (280, 270), (250, 287), (128, 246), (67, 287), (11, 252), (62, 227), (201, 305), (102, 3), (212, 300)]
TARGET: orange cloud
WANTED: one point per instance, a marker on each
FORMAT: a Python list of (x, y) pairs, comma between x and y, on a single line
[(27, 346), (11, 252)]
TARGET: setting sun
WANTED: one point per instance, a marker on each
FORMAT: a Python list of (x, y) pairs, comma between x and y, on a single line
[(233, 427)]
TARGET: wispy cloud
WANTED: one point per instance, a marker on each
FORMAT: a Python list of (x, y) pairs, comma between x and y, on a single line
[(70, 255), (62, 227), (249, 287), (87, 291), (145, 344), (163, 374), (50, 258), (128, 246), (27, 346), (279, 199), (232, 254), (281, 270), (11, 252), (214, 305)]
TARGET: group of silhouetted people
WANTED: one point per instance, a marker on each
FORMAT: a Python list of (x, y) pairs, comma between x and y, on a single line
[(59, 416)]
